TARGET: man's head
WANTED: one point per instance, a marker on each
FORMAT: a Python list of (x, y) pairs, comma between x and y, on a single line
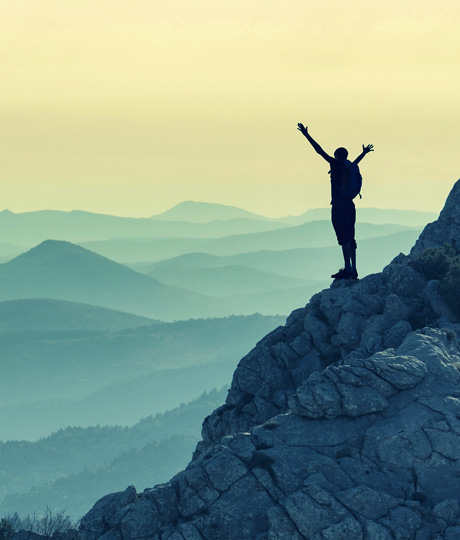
[(341, 153)]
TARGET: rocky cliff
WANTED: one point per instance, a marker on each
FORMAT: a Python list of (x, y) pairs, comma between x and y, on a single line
[(342, 425)]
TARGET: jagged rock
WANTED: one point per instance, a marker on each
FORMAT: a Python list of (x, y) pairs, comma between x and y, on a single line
[(343, 424), (280, 526), (106, 513), (314, 510), (339, 473), (446, 229), (435, 302), (376, 531), (348, 529)]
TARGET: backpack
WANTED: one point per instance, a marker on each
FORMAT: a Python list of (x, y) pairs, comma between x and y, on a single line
[(352, 180)]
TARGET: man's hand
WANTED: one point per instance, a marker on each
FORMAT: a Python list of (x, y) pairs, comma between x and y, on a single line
[(366, 150), (303, 129)]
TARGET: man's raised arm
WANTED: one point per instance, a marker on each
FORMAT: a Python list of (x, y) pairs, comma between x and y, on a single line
[(366, 150), (304, 130)]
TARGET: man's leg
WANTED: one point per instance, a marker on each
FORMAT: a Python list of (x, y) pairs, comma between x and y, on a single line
[(343, 222), (347, 272), (348, 256), (353, 246), (353, 256)]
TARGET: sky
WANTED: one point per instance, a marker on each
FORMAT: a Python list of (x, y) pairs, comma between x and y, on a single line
[(129, 107)]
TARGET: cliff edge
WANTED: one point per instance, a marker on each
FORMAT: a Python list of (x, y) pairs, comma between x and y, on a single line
[(344, 424)]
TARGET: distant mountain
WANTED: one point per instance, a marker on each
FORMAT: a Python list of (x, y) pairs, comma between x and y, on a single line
[(125, 250), (30, 228), (377, 216), (223, 281), (197, 259), (311, 234), (202, 212), (44, 314), (64, 271), (295, 275), (306, 263), (186, 220)]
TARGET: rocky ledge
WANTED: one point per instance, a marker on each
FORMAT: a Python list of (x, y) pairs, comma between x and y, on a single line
[(342, 425)]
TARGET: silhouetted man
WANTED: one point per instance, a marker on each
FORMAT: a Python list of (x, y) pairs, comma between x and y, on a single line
[(343, 212)]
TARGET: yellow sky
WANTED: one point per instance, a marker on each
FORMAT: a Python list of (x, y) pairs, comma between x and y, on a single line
[(131, 106)]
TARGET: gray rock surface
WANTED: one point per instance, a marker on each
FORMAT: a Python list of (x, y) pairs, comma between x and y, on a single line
[(446, 229), (342, 425)]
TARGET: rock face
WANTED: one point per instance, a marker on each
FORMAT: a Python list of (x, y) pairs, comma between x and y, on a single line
[(342, 425)]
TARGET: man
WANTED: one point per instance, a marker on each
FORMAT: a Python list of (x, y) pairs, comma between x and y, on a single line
[(343, 212)]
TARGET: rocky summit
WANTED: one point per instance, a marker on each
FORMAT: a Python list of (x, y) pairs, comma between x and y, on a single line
[(344, 424)]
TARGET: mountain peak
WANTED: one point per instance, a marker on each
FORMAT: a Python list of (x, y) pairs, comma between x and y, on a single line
[(446, 229), (203, 212), (60, 249), (341, 424), (61, 245)]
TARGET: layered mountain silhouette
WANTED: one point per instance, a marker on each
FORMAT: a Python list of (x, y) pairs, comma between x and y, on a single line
[(64, 271), (271, 281), (377, 216), (300, 263), (56, 376), (80, 464), (343, 424), (312, 234), (267, 281), (30, 228), (187, 220), (43, 314), (224, 280)]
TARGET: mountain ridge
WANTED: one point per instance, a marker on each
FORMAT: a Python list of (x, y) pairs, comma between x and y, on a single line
[(237, 213), (311, 234), (29, 228), (78, 226), (370, 215), (301, 263)]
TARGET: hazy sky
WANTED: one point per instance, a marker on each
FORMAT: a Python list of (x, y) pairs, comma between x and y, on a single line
[(131, 106)]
